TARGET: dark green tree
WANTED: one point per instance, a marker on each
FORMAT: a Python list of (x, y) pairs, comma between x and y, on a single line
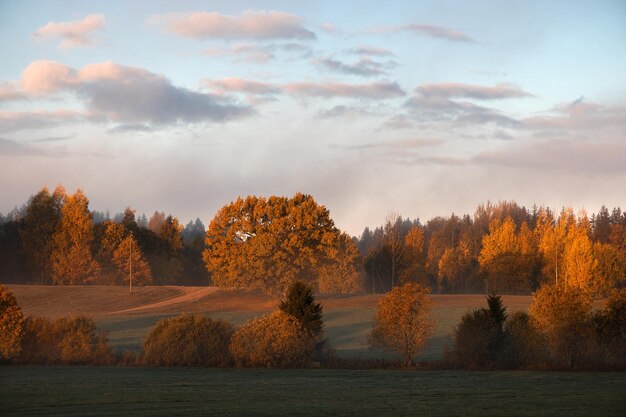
[(300, 303)]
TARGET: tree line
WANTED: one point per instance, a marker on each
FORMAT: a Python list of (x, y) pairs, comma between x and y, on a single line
[(269, 243), (55, 239), (502, 248)]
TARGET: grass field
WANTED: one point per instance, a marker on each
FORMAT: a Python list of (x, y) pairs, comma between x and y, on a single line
[(108, 391), (129, 317)]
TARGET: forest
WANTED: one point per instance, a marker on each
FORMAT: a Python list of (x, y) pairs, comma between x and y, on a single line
[(268, 243)]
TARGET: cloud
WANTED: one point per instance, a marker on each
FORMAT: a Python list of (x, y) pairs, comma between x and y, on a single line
[(398, 144), (239, 85), (479, 92), (72, 34), (329, 28), (341, 110), (131, 127), (370, 51), (250, 24), (576, 157), (13, 121), (10, 92), (579, 115), (363, 67), (448, 102), (439, 109), (258, 53), (117, 93), (431, 31), (373, 91), (12, 148)]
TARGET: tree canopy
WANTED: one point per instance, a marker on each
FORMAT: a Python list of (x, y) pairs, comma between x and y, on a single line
[(271, 242)]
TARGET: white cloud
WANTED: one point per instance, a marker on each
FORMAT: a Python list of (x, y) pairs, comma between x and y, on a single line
[(373, 91), (72, 34)]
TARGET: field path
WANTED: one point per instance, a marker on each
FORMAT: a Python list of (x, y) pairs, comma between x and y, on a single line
[(191, 294)]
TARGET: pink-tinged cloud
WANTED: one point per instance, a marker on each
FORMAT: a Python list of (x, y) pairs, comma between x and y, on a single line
[(579, 115), (431, 31), (72, 34), (372, 91), (479, 92), (570, 156), (250, 24), (239, 85), (370, 51), (128, 95)]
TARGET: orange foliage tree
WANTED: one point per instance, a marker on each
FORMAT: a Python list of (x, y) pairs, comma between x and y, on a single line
[(270, 243), (11, 325), (403, 321), (72, 261), (127, 251)]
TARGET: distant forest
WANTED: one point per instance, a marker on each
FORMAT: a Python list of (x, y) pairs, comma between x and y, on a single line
[(55, 239)]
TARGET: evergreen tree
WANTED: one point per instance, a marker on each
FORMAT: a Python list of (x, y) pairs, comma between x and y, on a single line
[(300, 303)]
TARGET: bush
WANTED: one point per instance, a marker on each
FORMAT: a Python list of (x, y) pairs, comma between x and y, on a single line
[(188, 340), (524, 345), (610, 324), (72, 341), (11, 325), (276, 340)]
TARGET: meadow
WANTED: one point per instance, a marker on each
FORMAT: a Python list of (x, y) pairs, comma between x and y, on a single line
[(129, 317), (110, 391)]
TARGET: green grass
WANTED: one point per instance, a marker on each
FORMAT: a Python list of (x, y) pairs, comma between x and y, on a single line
[(109, 391)]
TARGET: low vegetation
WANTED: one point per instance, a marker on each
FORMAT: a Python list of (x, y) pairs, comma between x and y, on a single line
[(189, 340)]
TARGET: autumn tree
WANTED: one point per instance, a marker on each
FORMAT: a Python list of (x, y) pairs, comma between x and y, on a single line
[(114, 234), (276, 340), (11, 325), (340, 272), (562, 315), (502, 259), (578, 256), (42, 216), (128, 257), (393, 240), (403, 322), (72, 261), (272, 242), (609, 268), (414, 269)]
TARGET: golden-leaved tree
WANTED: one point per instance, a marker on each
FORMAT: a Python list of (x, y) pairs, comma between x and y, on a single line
[(11, 325), (128, 257), (271, 242), (501, 258), (403, 321), (72, 261)]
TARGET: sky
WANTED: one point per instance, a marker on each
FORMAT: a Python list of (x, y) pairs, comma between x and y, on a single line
[(421, 108)]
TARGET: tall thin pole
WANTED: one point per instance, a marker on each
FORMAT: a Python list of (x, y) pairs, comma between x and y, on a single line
[(130, 261)]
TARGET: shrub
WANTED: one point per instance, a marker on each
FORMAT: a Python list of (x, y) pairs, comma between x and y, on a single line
[(403, 322), (276, 340), (188, 340), (66, 340), (524, 345), (610, 324), (479, 339), (11, 325)]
